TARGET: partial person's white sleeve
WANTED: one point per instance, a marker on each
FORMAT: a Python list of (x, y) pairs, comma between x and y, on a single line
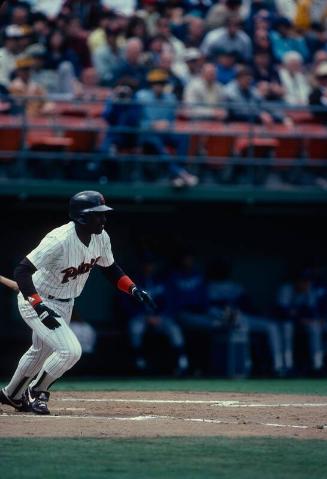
[(46, 253), (190, 92), (286, 8), (210, 40), (50, 8), (106, 258), (204, 47)]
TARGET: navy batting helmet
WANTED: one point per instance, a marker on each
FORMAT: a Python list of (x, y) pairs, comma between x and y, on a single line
[(86, 202)]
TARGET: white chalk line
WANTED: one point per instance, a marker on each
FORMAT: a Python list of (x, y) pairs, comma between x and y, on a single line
[(235, 404), (157, 418), (70, 409)]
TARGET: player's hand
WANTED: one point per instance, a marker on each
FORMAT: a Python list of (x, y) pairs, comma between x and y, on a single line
[(47, 316), (145, 298)]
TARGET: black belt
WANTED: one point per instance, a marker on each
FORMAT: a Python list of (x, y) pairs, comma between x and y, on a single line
[(66, 300)]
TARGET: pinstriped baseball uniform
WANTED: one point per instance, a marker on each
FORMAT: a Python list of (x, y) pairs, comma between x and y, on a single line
[(63, 265)]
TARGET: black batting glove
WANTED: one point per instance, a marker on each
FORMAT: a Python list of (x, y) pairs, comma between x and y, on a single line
[(144, 298), (47, 316)]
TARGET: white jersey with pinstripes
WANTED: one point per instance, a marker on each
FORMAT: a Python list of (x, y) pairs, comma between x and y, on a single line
[(64, 263)]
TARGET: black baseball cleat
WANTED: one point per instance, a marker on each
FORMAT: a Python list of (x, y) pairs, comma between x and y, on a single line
[(6, 399), (37, 401)]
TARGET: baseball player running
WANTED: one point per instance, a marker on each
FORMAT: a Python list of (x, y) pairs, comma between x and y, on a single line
[(49, 279)]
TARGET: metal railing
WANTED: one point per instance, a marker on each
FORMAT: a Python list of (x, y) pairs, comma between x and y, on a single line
[(205, 139)]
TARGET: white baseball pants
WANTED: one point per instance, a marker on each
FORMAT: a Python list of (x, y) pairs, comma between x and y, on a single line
[(53, 351)]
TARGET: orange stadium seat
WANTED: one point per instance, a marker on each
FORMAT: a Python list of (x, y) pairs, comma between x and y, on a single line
[(289, 147), (10, 140), (82, 141), (316, 148), (49, 143), (220, 147), (256, 146), (83, 133), (301, 116)]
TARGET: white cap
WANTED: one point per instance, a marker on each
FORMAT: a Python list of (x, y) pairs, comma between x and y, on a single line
[(192, 54), (321, 70), (292, 56), (13, 31)]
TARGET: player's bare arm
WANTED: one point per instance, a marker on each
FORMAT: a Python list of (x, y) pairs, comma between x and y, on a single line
[(9, 283)]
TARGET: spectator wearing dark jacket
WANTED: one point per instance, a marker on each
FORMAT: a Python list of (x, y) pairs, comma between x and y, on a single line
[(7, 104), (131, 66), (245, 102), (121, 112), (318, 95), (266, 76), (59, 51)]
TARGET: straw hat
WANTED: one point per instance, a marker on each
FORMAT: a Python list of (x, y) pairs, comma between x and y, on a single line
[(157, 76), (25, 62)]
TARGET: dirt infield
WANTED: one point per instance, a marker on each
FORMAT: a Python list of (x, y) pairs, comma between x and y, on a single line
[(159, 414)]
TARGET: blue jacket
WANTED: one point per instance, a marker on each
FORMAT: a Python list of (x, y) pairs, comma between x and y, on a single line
[(282, 45), (156, 108), (188, 292)]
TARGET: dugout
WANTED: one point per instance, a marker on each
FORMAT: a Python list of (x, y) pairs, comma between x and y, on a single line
[(262, 237)]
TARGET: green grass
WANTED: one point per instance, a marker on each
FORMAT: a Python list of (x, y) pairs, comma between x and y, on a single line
[(169, 458), (276, 386)]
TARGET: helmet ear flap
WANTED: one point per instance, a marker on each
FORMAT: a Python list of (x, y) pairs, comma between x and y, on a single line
[(82, 219)]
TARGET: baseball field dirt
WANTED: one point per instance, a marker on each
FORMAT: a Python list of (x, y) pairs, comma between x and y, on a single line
[(142, 414)]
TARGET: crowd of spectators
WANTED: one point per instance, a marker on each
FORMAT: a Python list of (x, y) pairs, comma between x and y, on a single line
[(203, 302), (253, 56)]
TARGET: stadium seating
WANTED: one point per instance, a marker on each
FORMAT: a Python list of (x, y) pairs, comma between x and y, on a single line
[(214, 142)]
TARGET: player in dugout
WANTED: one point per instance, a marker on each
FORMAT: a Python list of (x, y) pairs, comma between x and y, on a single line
[(49, 279)]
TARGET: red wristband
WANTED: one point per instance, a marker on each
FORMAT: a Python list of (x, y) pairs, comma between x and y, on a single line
[(34, 299), (125, 284)]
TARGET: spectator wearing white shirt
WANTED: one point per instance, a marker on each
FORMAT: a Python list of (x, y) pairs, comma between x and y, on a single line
[(163, 28), (106, 58), (318, 95), (287, 8), (293, 79), (190, 66), (9, 53), (51, 8), (204, 93)]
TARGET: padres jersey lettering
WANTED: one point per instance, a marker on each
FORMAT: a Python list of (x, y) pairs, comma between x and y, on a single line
[(72, 273), (64, 263)]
